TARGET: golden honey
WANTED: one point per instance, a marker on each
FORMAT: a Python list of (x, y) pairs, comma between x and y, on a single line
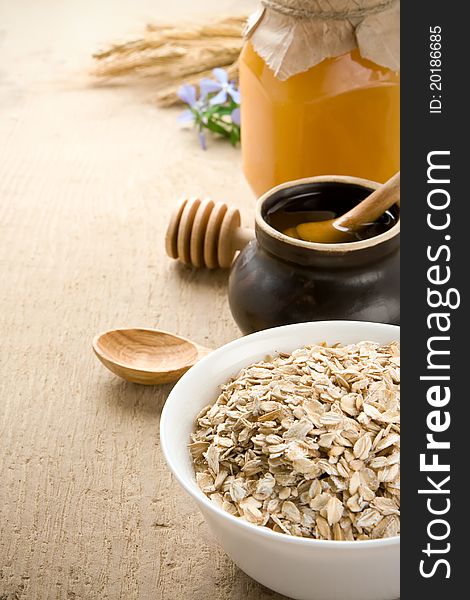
[(341, 117), (293, 215)]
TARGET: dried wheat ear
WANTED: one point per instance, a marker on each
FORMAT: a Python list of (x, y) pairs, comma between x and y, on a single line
[(175, 54), (308, 443)]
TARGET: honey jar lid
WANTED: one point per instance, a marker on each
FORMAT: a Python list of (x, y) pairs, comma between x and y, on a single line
[(294, 35)]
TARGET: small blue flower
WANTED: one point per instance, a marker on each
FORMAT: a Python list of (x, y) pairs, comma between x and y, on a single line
[(202, 140), (236, 116), (221, 86), (187, 93), (208, 86), (185, 117), (209, 110)]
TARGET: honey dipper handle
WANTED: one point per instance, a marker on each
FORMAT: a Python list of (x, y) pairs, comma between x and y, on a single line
[(204, 233), (370, 209), (241, 237)]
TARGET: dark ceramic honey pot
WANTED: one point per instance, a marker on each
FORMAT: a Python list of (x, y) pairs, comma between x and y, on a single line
[(277, 279)]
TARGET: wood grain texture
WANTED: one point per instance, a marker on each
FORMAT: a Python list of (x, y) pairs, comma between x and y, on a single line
[(89, 176)]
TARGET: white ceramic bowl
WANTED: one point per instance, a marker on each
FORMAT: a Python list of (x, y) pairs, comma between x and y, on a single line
[(304, 569)]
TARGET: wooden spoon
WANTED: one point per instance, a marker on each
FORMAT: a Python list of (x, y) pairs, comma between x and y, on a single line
[(147, 356), (339, 230)]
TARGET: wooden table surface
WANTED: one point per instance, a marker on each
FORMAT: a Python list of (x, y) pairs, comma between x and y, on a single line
[(89, 176)]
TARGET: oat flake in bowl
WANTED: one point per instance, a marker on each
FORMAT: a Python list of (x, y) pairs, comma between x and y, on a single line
[(307, 443)]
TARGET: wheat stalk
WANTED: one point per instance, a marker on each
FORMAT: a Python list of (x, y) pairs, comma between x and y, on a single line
[(175, 54)]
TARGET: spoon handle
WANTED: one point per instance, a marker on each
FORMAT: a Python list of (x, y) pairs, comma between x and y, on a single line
[(370, 209)]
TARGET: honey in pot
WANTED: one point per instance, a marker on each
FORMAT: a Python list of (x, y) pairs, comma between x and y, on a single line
[(293, 215), (278, 279)]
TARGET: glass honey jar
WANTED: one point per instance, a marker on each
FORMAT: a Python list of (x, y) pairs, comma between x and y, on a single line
[(321, 96)]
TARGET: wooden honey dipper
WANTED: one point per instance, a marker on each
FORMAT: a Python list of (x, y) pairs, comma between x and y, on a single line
[(203, 233)]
